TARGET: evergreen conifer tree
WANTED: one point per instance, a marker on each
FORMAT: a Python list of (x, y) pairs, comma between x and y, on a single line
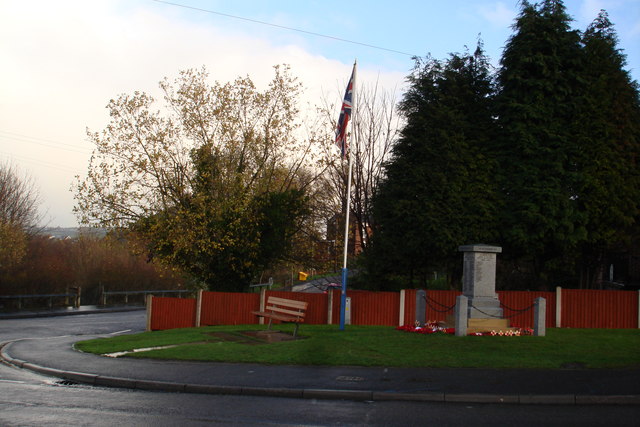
[(609, 136), (438, 192), (539, 87)]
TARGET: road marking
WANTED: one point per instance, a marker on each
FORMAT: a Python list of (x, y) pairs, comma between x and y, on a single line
[(137, 350), (12, 381), (120, 332)]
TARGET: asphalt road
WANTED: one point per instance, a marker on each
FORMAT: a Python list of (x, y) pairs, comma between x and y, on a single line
[(28, 399)]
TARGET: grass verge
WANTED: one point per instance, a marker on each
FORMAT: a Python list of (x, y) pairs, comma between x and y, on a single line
[(385, 346)]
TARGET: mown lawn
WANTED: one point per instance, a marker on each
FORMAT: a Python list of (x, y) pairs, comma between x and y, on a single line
[(385, 346)]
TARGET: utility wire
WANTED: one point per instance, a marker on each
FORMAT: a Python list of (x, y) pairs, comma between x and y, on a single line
[(255, 21), (25, 159), (11, 136)]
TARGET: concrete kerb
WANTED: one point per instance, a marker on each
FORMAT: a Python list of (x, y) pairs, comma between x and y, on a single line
[(60, 313), (325, 394)]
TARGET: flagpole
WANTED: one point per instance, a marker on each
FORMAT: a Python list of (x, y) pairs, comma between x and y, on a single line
[(345, 271)]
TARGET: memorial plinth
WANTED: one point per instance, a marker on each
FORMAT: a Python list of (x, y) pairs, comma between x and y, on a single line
[(479, 281)]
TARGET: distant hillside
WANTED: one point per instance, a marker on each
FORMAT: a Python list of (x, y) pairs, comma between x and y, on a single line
[(71, 232)]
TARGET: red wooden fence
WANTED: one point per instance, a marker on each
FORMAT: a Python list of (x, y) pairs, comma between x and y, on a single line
[(599, 309), (228, 308), (517, 306), (579, 308), (368, 308), (316, 313), (170, 313), (440, 304), (374, 308)]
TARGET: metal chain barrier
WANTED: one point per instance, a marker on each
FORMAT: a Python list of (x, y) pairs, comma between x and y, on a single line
[(518, 312), (517, 309), (446, 307)]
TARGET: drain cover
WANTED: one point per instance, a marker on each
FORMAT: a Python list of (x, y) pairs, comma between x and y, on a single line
[(66, 382), (349, 379)]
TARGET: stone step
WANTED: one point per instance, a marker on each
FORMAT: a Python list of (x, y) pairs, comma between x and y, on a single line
[(488, 323), (482, 330), (480, 324)]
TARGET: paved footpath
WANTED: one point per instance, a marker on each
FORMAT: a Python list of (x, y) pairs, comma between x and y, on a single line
[(56, 357)]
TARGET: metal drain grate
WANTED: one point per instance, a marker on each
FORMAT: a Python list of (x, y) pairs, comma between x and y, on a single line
[(66, 383), (349, 378)]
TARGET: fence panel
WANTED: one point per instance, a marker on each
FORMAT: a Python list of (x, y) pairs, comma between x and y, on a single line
[(440, 304), (228, 308), (586, 308), (335, 308), (318, 304), (513, 302), (374, 308), (369, 308), (171, 313), (580, 308)]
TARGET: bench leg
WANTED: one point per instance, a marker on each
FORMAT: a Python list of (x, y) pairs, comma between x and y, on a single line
[(269, 326), (295, 330)]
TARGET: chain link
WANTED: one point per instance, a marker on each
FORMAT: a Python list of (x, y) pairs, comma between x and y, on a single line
[(518, 312), (446, 307)]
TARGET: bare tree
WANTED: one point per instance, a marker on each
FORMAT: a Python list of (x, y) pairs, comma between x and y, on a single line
[(19, 202), (19, 198), (376, 125)]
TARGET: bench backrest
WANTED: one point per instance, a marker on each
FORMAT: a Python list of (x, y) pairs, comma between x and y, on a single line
[(287, 306)]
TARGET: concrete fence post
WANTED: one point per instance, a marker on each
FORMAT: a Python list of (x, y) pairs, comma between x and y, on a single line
[(149, 303), (329, 306), (461, 316), (539, 317), (558, 307), (403, 296), (263, 301), (198, 307), (421, 306)]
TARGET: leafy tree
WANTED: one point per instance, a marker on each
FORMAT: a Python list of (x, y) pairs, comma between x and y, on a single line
[(609, 136), (214, 183), (538, 106), (438, 191)]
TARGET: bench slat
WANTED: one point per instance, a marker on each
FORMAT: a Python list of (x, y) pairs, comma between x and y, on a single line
[(285, 311), (277, 316), (288, 302)]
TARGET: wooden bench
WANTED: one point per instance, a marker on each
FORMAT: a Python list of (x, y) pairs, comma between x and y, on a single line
[(284, 310)]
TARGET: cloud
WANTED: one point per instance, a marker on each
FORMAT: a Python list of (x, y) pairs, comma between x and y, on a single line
[(590, 9), (64, 60), (497, 14), (635, 30)]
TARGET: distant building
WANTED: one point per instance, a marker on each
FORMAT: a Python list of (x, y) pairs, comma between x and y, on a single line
[(63, 233), (335, 232)]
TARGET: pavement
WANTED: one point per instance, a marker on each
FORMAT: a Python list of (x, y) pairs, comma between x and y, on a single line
[(57, 357)]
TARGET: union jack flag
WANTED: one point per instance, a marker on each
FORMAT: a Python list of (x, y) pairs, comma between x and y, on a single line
[(345, 115)]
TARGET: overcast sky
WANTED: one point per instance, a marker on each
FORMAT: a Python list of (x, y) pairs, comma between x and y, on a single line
[(61, 61)]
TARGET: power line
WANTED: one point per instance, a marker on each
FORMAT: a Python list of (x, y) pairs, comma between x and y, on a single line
[(255, 21), (37, 162), (44, 142)]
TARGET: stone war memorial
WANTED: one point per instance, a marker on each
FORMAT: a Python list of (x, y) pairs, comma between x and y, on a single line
[(478, 308)]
